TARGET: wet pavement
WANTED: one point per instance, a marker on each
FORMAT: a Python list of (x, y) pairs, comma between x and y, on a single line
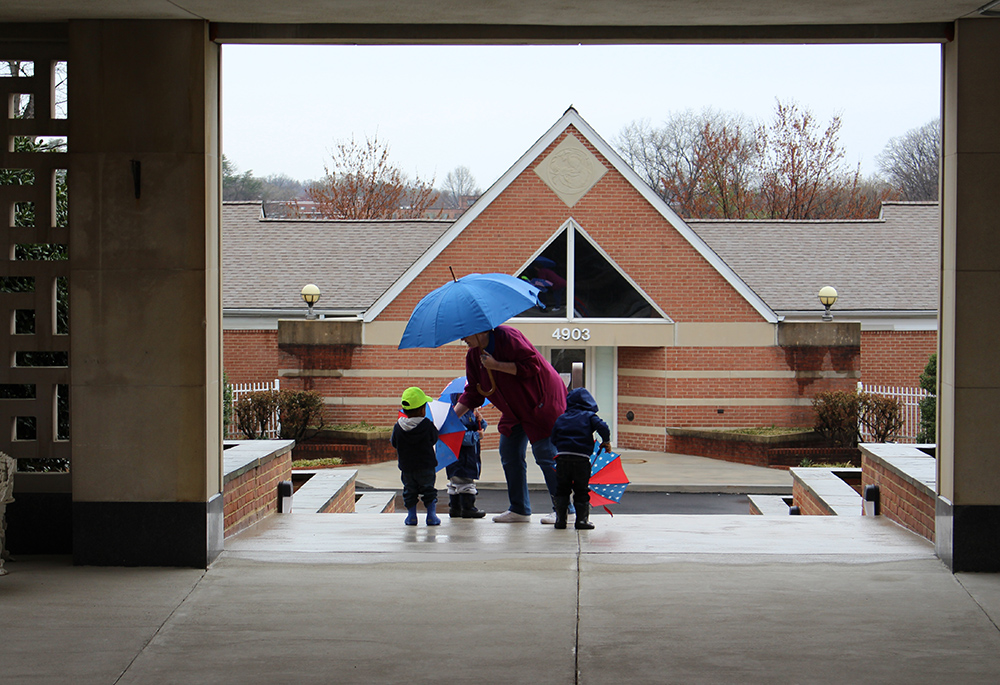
[(361, 598)]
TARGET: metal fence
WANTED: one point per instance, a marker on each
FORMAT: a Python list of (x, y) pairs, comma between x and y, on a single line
[(239, 389), (909, 398)]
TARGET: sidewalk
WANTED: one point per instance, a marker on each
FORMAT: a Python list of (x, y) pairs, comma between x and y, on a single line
[(647, 471)]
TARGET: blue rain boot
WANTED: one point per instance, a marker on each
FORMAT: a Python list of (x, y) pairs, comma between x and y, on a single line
[(432, 517), (411, 516)]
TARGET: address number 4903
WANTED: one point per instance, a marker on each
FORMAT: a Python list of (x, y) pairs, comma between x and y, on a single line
[(571, 334)]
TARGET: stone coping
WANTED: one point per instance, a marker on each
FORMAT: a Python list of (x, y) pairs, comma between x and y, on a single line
[(909, 462), (245, 455), (770, 505), (827, 487), (323, 486)]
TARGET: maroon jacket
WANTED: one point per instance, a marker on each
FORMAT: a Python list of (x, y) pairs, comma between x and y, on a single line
[(534, 398)]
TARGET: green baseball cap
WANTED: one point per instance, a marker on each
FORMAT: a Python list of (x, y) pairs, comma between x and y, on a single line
[(414, 397)]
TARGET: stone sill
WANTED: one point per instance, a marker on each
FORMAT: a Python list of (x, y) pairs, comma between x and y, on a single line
[(828, 488), (245, 455), (908, 462)]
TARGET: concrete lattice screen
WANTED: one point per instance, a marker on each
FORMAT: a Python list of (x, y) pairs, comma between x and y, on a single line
[(34, 380)]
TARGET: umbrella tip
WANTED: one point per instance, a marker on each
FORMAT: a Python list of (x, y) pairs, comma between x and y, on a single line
[(452, 274)]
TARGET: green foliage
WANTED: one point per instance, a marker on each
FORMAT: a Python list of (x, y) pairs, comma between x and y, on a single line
[(227, 403), (254, 413), (315, 463), (298, 410), (928, 405), (837, 417)]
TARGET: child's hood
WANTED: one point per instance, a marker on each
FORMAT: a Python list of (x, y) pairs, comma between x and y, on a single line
[(580, 399), (408, 423)]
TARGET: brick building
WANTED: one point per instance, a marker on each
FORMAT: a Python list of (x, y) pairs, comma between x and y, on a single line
[(697, 324)]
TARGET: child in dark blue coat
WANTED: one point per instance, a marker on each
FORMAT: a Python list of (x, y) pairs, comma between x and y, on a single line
[(573, 436), (414, 437), (463, 474)]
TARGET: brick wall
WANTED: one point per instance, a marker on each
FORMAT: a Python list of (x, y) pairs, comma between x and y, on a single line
[(251, 356), (896, 357), (343, 503), (900, 499), (807, 502), (250, 496)]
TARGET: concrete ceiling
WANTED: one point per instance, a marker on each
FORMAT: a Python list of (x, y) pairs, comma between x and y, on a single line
[(508, 13)]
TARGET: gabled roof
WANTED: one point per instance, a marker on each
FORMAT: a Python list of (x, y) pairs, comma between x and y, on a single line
[(885, 264), (570, 119), (265, 262)]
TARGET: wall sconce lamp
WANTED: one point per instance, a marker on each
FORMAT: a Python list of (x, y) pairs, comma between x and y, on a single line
[(310, 295), (827, 296)]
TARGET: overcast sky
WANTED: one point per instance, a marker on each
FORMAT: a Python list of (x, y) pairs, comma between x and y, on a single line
[(482, 107)]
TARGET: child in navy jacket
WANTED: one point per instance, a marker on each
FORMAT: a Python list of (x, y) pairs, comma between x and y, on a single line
[(573, 436), (414, 437), (463, 473)]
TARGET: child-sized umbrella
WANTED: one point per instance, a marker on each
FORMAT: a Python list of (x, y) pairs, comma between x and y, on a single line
[(607, 478), (471, 304), (450, 432)]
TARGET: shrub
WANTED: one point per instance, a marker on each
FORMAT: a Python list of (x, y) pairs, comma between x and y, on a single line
[(837, 417), (255, 411), (298, 410), (882, 416), (840, 414), (928, 405)]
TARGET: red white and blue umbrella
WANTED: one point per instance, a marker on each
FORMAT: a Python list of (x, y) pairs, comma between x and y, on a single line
[(607, 477), (450, 432)]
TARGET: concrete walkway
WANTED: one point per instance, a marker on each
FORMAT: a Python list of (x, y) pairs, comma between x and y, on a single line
[(647, 471), (360, 598)]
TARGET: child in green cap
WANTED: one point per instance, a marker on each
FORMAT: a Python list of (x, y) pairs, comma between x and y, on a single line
[(414, 437)]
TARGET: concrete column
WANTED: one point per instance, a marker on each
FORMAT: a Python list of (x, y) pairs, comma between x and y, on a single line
[(968, 509), (145, 303)]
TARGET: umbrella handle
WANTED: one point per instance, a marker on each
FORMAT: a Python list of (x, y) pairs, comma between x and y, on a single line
[(493, 382)]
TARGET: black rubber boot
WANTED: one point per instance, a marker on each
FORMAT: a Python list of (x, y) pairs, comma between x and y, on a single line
[(583, 517), (469, 510), (454, 506), (562, 511)]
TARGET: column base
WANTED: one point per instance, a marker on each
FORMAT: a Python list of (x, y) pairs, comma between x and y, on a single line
[(967, 537), (186, 534)]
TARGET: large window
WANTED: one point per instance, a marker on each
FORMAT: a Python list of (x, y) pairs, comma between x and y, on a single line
[(578, 280)]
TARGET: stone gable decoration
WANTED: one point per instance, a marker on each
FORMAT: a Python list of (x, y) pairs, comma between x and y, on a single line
[(570, 170)]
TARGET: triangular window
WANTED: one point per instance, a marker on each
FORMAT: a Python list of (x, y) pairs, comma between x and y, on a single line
[(579, 280)]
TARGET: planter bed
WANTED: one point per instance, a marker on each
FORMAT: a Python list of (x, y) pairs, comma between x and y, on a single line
[(776, 451)]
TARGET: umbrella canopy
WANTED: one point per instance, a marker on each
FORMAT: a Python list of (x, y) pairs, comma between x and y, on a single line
[(607, 477), (472, 304), (450, 432)]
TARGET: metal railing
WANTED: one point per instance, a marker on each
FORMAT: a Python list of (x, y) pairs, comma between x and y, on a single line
[(909, 399), (239, 389)]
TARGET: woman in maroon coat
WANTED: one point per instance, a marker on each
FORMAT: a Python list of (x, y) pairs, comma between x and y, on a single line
[(503, 366)]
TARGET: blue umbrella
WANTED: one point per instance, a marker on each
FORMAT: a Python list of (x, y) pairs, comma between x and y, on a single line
[(472, 304)]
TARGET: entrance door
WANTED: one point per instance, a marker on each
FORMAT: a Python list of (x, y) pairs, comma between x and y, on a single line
[(599, 375)]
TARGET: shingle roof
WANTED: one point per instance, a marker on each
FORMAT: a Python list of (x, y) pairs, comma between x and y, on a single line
[(265, 262), (884, 264)]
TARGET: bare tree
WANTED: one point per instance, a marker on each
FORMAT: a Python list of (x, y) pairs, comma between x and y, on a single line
[(723, 165), (364, 184), (911, 161), (459, 183)]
